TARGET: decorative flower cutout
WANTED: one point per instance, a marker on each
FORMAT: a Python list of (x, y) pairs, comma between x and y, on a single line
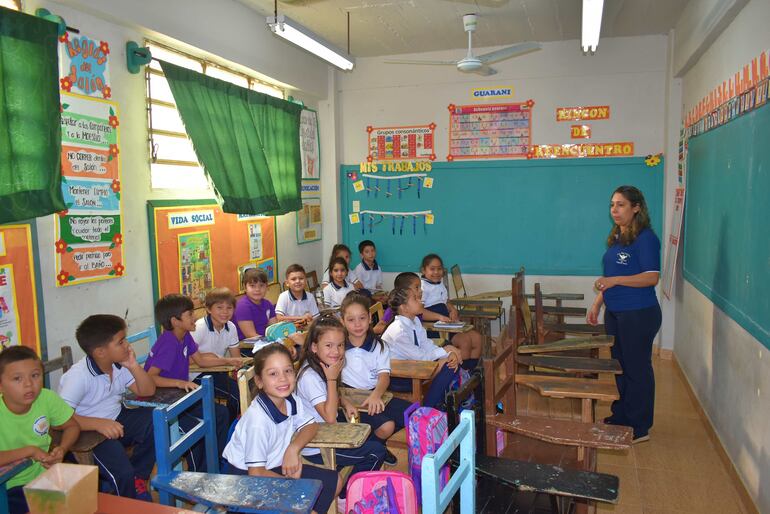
[(451, 107), (64, 212), (114, 151), (66, 84), (64, 38), (433, 157), (530, 103), (115, 186), (104, 47), (450, 158), (117, 239), (106, 92), (113, 121), (63, 277), (61, 246), (369, 129), (432, 126), (531, 154), (652, 160), (119, 269)]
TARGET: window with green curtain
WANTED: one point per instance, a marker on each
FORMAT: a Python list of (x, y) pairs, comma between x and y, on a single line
[(247, 142), (30, 131)]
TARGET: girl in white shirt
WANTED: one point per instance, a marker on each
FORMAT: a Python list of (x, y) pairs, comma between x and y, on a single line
[(321, 363), (269, 437), (341, 250), (438, 308), (408, 340), (339, 286)]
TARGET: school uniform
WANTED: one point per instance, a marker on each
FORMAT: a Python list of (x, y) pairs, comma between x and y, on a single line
[(218, 342), (334, 294), (262, 435), (363, 366), (258, 313), (172, 357), (288, 305), (370, 277), (91, 392), (408, 340), (633, 316), (352, 277), (312, 389)]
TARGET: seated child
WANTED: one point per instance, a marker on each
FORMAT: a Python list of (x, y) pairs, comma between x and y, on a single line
[(295, 304), (339, 287), (169, 366), (405, 280), (408, 340), (368, 271), (435, 297), (341, 250), (27, 413), (321, 362), (367, 366), (216, 335), (95, 386), (253, 312), (269, 437)]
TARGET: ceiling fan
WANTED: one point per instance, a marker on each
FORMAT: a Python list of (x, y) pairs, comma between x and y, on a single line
[(478, 64)]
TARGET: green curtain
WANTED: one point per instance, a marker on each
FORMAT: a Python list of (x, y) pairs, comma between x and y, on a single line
[(247, 142), (30, 119)]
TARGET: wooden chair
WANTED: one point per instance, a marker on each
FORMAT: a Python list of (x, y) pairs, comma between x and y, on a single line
[(273, 292), (150, 335), (7, 472), (311, 282), (83, 448), (462, 294), (377, 312), (559, 329)]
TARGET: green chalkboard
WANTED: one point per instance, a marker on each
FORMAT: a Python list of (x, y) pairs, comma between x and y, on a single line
[(551, 216), (726, 241)]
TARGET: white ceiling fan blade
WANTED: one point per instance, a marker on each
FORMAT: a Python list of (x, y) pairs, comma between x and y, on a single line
[(509, 51), (485, 71), (417, 61)]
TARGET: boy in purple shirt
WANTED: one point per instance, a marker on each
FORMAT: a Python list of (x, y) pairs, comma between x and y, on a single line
[(169, 366)]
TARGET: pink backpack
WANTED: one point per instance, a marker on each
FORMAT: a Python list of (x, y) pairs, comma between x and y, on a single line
[(380, 492), (426, 430)]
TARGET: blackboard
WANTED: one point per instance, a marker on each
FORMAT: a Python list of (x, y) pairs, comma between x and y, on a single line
[(726, 241), (492, 217)]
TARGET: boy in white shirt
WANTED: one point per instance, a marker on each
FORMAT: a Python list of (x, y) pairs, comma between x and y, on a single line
[(368, 271), (295, 304)]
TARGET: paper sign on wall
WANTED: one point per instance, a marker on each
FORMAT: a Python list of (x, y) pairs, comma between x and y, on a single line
[(397, 143), (354, 218), (308, 139), (9, 316), (490, 131)]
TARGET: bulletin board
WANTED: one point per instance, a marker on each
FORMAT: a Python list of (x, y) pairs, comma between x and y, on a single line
[(726, 247), (491, 217), (194, 247), (20, 312)]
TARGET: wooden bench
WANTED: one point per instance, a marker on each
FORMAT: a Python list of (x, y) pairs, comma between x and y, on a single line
[(591, 343), (420, 372)]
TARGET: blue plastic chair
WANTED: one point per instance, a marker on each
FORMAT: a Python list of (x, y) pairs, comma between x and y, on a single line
[(435, 501), (7, 472), (150, 334)]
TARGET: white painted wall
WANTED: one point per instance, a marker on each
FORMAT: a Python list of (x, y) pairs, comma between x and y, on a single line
[(629, 74), (728, 369), (66, 307)]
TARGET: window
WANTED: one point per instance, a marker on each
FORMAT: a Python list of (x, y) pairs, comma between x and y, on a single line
[(173, 160), (11, 4)]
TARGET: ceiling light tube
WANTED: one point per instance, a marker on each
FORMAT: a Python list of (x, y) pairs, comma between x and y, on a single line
[(592, 24), (303, 38)]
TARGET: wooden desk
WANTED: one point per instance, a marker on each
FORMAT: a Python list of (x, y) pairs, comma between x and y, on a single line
[(246, 361), (243, 493), (580, 365), (577, 343), (110, 504), (418, 371), (331, 436), (481, 318), (357, 397), (443, 332)]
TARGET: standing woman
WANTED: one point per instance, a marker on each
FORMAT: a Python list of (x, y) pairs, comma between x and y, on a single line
[(631, 269)]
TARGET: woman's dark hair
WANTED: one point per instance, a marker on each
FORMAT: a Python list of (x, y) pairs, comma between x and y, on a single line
[(428, 259), (356, 298), (263, 353), (336, 260), (397, 298), (317, 328), (640, 221)]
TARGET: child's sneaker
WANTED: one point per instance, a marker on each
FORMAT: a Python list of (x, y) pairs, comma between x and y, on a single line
[(141, 490), (341, 505), (390, 459)]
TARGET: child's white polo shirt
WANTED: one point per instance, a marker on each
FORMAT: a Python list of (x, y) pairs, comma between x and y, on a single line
[(408, 340), (370, 277), (433, 293), (364, 364), (263, 433), (211, 340), (89, 390), (288, 305), (334, 294)]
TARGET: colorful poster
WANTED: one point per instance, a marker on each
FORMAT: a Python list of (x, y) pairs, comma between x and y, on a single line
[(268, 266), (84, 66), (672, 249), (309, 145), (195, 270), (490, 131), (309, 220), (396, 143), (255, 241), (9, 316), (89, 236)]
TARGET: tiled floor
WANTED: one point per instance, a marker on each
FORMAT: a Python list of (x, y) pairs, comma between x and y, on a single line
[(678, 470)]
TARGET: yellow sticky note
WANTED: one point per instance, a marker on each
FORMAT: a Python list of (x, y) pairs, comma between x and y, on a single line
[(358, 186), (429, 219), (354, 218), (428, 182)]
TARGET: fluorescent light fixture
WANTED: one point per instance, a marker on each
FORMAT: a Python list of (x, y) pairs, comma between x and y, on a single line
[(303, 38), (592, 24)]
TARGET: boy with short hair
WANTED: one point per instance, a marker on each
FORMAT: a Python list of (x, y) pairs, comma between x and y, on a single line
[(253, 312), (27, 412), (95, 386), (169, 366), (215, 334), (295, 304), (368, 271)]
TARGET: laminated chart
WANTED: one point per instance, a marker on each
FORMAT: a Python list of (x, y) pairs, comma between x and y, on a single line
[(490, 131), (394, 143)]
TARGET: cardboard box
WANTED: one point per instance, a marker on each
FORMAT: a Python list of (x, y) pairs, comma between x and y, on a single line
[(64, 489)]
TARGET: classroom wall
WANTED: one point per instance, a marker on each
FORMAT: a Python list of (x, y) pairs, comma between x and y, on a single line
[(629, 74), (66, 307), (728, 369)]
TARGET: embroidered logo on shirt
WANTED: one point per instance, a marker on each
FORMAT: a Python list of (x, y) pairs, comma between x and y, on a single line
[(623, 258), (40, 426), (184, 351)]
